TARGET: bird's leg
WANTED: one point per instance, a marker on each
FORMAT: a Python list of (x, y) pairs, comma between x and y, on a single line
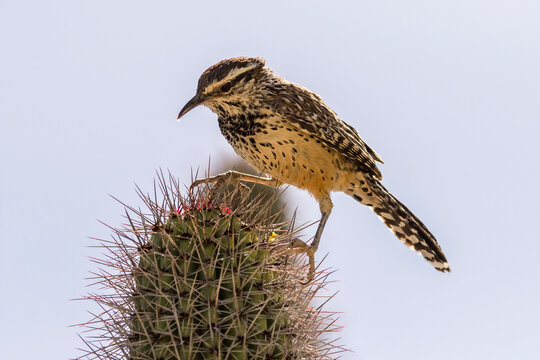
[(297, 246)]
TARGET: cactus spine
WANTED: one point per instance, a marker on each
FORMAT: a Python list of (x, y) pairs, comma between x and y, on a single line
[(198, 279)]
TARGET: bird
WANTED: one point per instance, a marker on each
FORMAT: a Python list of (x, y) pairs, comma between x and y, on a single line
[(292, 136)]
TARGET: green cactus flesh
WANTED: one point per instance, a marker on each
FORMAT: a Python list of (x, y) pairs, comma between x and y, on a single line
[(205, 288)]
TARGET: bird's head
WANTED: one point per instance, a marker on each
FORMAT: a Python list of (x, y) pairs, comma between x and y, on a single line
[(230, 81)]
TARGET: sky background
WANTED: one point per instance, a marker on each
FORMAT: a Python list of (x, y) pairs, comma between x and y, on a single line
[(447, 92)]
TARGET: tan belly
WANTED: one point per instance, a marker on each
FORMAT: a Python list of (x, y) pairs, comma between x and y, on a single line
[(298, 160)]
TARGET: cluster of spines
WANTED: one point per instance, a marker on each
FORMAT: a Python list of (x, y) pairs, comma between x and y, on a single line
[(196, 280)]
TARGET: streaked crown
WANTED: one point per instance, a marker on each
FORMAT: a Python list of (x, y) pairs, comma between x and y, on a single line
[(228, 72)]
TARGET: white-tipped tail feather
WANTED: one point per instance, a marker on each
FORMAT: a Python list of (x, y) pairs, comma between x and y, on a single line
[(401, 221)]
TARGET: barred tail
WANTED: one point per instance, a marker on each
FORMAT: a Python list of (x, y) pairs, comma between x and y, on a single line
[(402, 222)]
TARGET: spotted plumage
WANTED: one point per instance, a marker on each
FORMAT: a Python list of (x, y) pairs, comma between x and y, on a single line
[(289, 133)]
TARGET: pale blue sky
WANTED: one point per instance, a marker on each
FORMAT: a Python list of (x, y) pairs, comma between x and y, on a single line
[(447, 92)]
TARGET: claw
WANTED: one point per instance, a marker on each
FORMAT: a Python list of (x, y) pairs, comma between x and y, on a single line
[(194, 185), (311, 273), (296, 247)]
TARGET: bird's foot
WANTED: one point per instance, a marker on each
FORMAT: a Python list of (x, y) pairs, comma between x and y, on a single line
[(297, 246), (222, 182)]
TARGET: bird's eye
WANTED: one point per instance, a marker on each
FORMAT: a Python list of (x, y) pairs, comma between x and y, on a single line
[(226, 87)]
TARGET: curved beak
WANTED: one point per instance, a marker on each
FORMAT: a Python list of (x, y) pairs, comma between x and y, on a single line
[(194, 102)]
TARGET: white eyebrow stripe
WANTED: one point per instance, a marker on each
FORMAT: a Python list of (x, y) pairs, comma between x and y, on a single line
[(231, 75)]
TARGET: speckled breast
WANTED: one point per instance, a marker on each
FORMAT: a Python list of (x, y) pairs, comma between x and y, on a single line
[(284, 152)]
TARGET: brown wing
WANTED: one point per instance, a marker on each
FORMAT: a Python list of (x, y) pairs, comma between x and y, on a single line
[(314, 118)]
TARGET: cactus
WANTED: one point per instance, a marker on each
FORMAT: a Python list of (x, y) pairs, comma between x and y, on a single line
[(199, 279)]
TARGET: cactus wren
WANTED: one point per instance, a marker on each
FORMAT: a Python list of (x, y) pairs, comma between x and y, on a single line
[(289, 133)]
